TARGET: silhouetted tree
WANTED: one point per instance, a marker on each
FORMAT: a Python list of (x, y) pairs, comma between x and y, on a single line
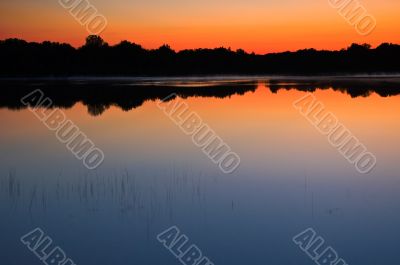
[(95, 41)]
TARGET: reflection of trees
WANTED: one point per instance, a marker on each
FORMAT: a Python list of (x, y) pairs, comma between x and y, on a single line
[(97, 110), (384, 87), (99, 96)]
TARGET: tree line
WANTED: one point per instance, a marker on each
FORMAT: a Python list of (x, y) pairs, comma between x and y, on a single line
[(98, 58)]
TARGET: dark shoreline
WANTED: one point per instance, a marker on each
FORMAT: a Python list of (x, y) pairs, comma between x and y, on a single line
[(19, 58), (204, 78)]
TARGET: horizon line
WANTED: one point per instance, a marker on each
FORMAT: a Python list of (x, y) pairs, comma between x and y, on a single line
[(194, 49)]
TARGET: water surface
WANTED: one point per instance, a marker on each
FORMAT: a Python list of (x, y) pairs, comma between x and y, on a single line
[(153, 176)]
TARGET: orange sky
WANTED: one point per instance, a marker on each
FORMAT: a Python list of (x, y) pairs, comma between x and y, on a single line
[(255, 25)]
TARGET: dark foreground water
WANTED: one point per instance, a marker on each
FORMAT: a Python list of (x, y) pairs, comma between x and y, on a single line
[(153, 176)]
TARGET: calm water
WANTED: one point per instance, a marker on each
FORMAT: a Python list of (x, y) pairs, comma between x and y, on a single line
[(153, 176)]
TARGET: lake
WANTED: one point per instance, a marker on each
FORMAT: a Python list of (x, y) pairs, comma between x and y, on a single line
[(154, 175)]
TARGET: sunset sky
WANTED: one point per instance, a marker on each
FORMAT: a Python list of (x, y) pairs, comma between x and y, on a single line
[(261, 26)]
